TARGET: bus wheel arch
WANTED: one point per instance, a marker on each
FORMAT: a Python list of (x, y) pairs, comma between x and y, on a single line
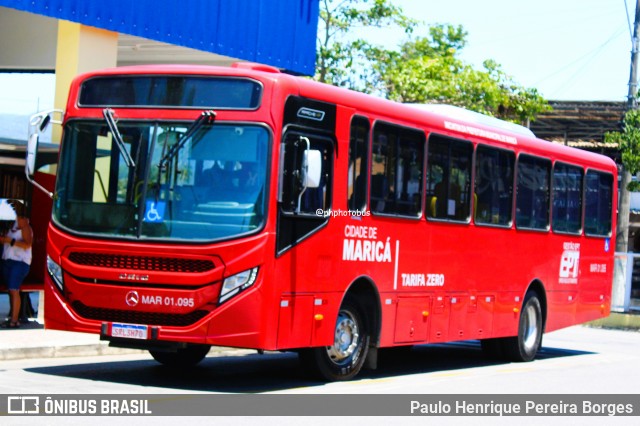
[(366, 293), (356, 336), (524, 346), (537, 287)]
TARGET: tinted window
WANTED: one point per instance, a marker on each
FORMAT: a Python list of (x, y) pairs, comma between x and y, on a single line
[(213, 186), (598, 203), (494, 186), (533, 197), (396, 170), (567, 198), (358, 167), (448, 178), (171, 91)]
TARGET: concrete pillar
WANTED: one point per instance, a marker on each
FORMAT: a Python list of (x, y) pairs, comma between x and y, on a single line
[(80, 49)]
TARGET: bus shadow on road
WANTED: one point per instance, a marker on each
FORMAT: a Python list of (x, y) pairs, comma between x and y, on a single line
[(256, 373), (448, 357)]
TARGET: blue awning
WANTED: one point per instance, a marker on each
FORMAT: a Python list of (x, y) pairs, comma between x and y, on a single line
[(281, 33)]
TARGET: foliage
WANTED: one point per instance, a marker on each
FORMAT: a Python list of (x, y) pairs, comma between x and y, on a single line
[(628, 141), (423, 70), (340, 58)]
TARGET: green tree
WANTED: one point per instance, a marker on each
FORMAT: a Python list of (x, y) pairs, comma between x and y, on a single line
[(423, 70), (341, 57), (428, 70), (628, 141)]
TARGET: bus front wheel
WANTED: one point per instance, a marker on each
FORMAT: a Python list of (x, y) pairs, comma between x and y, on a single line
[(182, 357), (344, 359), (525, 345)]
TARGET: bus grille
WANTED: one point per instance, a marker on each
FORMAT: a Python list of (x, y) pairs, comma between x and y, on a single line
[(143, 263), (131, 317)]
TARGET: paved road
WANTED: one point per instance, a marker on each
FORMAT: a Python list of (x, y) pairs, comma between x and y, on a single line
[(576, 360)]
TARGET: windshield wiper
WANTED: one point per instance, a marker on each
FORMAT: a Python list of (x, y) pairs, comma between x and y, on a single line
[(207, 117), (111, 122)]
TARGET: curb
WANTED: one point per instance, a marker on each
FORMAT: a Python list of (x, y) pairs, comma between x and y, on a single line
[(617, 321), (98, 349), (63, 351)]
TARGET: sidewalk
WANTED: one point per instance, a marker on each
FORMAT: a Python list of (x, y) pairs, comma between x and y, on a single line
[(31, 340)]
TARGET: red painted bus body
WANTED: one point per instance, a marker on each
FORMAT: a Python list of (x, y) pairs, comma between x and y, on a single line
[(406, 278)]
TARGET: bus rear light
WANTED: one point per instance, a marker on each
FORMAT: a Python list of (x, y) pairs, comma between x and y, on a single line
[(238, 282), (55, 271)]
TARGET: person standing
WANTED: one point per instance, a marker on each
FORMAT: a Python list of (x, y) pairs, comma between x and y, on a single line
[(16, 262)]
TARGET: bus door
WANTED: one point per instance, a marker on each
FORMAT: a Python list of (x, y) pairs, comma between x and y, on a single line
[(305, 253)]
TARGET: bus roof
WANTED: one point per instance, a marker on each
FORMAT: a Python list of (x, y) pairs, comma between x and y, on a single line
[(440, 117), (464, 114)]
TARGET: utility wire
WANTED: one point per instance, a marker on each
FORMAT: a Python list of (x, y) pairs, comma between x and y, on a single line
[(594, 52)]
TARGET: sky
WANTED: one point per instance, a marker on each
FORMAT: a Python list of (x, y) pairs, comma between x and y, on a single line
[(26, 93), (567, 49)]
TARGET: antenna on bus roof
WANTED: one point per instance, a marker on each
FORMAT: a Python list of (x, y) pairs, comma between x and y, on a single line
[(474, 117)]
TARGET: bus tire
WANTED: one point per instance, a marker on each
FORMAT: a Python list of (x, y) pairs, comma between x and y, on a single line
[(345, 358), (183, 357), (525, 346)]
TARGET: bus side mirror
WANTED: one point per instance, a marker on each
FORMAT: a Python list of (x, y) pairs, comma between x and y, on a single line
[(313, 161), (38, 123), (32, 150)]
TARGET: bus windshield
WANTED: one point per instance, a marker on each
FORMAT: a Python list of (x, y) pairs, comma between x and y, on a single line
[(211, 187)]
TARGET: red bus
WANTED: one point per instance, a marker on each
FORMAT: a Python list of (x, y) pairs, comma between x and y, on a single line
[(243, 207)]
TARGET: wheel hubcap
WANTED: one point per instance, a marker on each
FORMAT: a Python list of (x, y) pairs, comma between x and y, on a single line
[(346, 339), (530, 327)]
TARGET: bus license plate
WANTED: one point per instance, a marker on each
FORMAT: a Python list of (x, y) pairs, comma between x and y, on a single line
[(129, 331)]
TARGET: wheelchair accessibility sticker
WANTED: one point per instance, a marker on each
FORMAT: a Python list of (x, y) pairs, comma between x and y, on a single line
[(154, 211)]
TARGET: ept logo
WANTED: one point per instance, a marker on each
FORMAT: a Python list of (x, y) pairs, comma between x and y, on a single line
[(570, 263)]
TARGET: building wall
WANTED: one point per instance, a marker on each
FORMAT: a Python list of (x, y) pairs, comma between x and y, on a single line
[(280, 33)]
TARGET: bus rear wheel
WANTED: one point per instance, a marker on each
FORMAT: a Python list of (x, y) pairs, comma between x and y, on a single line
[(344, 359), (525, 346), (185, 357)]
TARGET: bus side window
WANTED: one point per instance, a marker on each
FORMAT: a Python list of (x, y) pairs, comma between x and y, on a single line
[(494, 186), (358, 164), (598, 203), (382, 171), (448, 178), (533, 192), (396, 170), (567, 198)]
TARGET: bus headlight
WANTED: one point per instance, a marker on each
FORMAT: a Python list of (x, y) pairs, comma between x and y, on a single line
[(238, 282), (55, 271)]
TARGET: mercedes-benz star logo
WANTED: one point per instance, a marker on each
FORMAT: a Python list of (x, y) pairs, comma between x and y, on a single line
[(132, 298)]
